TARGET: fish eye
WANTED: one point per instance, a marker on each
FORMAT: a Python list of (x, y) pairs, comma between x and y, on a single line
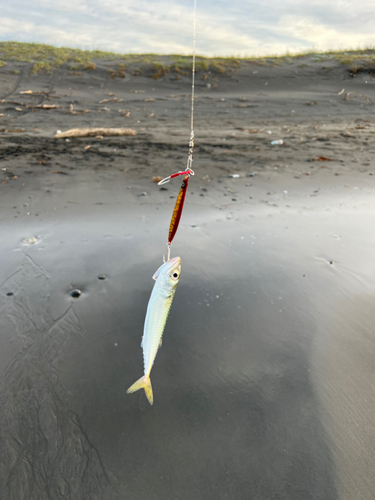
[(175, 275)]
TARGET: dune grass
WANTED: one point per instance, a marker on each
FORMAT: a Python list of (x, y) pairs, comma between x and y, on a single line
[(46, 58)]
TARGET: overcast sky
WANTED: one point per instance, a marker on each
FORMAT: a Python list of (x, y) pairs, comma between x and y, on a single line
[(230, 27)]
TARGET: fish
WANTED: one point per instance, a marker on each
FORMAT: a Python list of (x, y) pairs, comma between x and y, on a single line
[(166, 281)]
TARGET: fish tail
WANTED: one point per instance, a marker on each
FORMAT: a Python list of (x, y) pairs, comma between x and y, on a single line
[(143, 383)]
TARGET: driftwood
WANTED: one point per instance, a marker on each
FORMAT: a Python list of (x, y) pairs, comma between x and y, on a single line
[(94, 132)]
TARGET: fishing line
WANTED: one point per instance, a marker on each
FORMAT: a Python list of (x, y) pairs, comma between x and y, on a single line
[(175, 220)]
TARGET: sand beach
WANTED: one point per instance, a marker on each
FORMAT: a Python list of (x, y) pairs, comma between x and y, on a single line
[(264, 385)]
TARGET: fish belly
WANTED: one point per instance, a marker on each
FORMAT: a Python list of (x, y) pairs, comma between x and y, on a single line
[(156, 319)]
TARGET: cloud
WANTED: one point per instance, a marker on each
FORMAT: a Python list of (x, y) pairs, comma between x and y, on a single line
[(319, 36), (239, 27), (26, 31)]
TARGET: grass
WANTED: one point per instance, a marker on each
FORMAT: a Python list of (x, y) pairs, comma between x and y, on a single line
[(46, 58)]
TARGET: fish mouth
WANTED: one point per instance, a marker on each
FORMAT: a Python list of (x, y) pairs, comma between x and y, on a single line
[(175, 263)]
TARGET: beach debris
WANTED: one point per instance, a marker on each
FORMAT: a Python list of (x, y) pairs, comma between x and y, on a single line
[(143, 193), (87, 147), (149, 100), (354, 95), (45, 106), (321, 158), (346, 134), (112, 99), (234, 176), (30, 241), (12, 130), (166, 281), (18, 109), (254, 130), (137, 91), (312, 103), (157, 179), (37, 92), (102, 277), (277, 142), (269, 132), (249, 105), (93, 132), (341, 92)]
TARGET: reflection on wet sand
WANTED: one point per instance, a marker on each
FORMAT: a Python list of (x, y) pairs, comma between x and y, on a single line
[(343, 363), (235, 410), (45, 452)]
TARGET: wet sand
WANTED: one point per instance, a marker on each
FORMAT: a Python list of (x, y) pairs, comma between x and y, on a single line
[(264, 385)]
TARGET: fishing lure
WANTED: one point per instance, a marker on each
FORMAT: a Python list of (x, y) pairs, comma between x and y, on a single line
[(176, 216), (166, 277)]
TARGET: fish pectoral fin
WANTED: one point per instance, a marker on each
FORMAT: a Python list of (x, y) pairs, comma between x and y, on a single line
[(143, 383)]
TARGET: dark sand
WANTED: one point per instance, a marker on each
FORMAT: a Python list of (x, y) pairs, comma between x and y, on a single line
[(264, 386)]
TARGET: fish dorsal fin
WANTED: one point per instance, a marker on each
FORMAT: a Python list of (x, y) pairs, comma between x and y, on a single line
[(160, 270)]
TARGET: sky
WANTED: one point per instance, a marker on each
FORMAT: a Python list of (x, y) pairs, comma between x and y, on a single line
[(239, 28)]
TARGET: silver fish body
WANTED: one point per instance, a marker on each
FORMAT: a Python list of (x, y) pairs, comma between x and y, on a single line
[(167, 277)]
